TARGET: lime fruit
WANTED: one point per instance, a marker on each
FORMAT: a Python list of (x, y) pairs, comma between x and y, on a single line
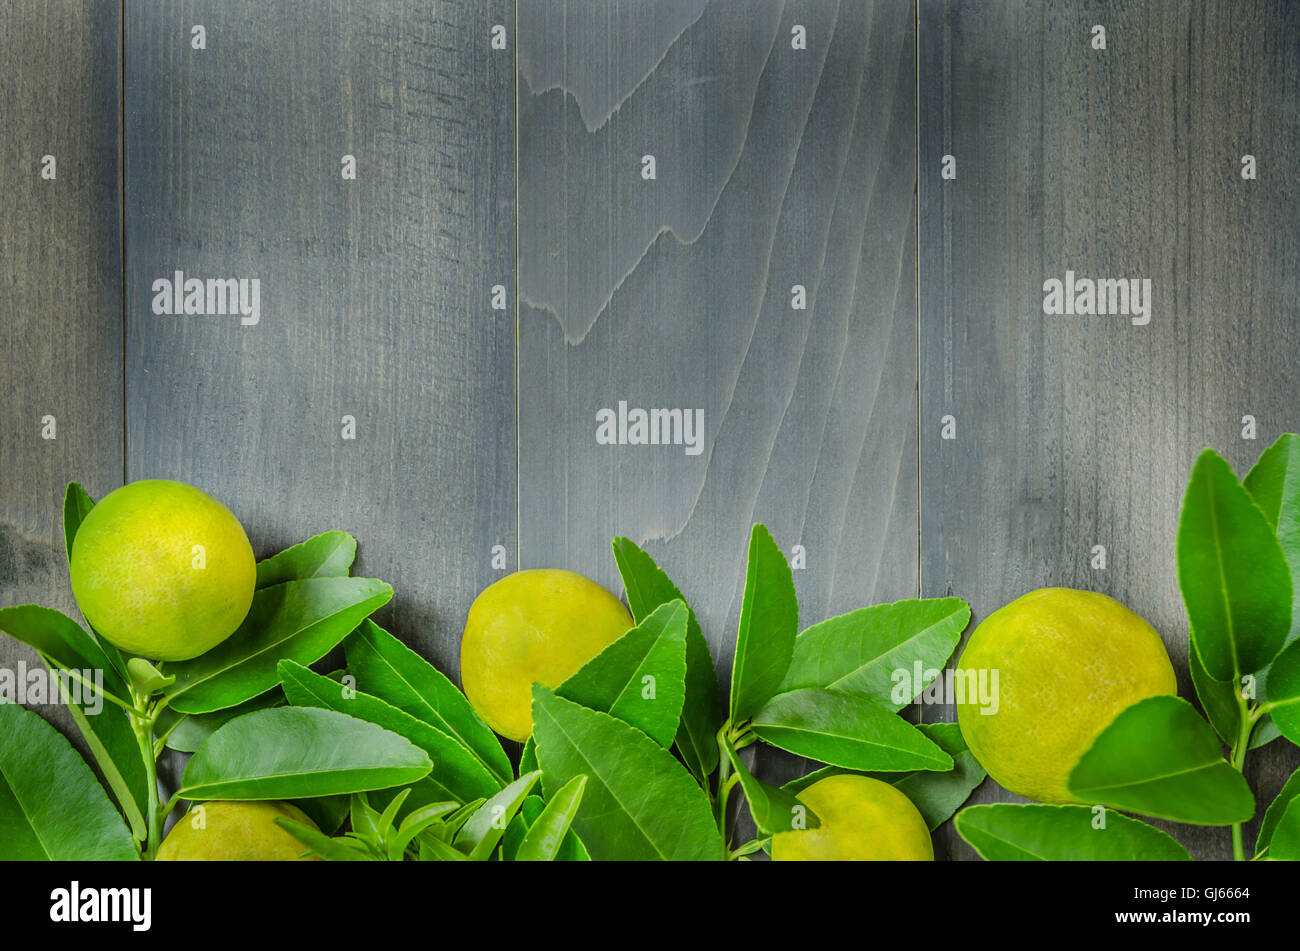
[(163, 570), (861, 819), (234, 832), (533, 627), (1068, 662)]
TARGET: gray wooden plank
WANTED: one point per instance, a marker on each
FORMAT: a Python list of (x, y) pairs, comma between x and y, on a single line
[(1078, 431), (775, 167), (375, 293), (61, 303)]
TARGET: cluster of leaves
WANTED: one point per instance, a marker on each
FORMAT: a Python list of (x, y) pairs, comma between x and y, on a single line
[(261, 725), (1238, 561), (827, 694)]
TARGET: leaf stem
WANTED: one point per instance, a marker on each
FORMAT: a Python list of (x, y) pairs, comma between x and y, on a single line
[(1247, 716), (142, 724)]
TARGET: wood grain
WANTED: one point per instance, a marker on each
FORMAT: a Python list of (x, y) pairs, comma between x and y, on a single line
[(60, 289), (776, 167), (1079, 431), (375, 293)]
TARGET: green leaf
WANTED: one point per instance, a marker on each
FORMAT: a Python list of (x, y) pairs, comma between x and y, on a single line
[(186, 732), (146, 678), (528, 758), (769, 621), (571, 850), (1018, 833), (51, 806), (76, 506), (1159, 758), (937, 795), (64, 645), (614, 681), (341, 849), (859, 652), (1235, 580), (775, 809), (328, 812), (1285, 841), (63, 642), (546, 835), (639, 802), (647, 588), (116, 750), (844, 729), (1273, 814), (390, 670), (1274, 484), (456, 773), (297, 620), (1218, 700), (299, 753), (328, 555), (480, 834), (1283, 689), (417, 821)]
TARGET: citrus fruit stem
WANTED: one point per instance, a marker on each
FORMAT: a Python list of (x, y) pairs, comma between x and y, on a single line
[(142, 723)]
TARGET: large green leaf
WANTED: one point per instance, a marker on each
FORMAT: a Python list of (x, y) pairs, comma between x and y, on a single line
[(300, 753), (328, 555), (1274, 484), (1018, 833), (297, 620), (1283, 689), (457, 774), (51, 806), (639, 801), (63, 642), (936, 794), (1235, 580), (860, 652), (390, 670), (641, 677), (1273, 814), (773, 808), (647, 588), (769, 621), (1159, 758), (845, 729)]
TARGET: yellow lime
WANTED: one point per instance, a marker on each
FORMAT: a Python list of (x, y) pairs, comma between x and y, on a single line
[(862, 819), (234, 832), (533, 627), (163, 570), (1067, 663)]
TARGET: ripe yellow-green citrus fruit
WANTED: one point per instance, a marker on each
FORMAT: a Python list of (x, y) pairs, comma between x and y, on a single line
[(234, 832), (1068, 663), (163, 570), (862, 820), (533, 627)]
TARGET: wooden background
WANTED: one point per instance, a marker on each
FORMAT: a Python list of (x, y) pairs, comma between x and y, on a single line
[(775, 167)]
